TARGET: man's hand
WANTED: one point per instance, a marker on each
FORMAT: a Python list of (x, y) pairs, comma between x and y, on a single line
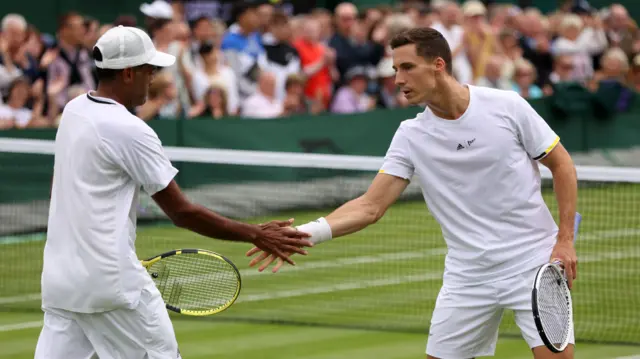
[(566, 253), (266, 258), (279, 240)]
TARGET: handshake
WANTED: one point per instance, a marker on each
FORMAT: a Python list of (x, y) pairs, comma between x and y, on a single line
[(280, 240)]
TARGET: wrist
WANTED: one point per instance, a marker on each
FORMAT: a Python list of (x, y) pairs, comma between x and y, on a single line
[(319, 230)]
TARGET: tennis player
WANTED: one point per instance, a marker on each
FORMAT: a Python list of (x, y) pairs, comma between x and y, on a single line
[(98, 300), (474, 152)]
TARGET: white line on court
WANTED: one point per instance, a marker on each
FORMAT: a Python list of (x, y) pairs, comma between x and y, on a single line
[(19, 326)]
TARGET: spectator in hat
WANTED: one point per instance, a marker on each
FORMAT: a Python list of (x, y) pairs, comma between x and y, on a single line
[(352, 97), (263, 104), (157, 10), (282, 58), (388, 94), (479, 36), (242, 47)]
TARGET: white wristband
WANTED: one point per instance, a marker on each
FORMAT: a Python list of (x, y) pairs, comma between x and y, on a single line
[(319, 230)]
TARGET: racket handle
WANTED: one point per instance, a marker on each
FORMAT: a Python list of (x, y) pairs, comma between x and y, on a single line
[(576, 225)]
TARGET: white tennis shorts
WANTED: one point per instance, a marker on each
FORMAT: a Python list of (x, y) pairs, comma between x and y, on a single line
[(465, 320), (141, 333)]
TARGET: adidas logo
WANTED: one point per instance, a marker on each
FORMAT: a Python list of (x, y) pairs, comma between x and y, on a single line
[(460, 147)]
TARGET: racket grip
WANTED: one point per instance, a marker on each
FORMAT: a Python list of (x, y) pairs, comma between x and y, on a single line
[(576, 225)]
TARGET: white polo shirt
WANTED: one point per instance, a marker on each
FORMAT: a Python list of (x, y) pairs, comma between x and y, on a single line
[(103, 155), (481, 182)]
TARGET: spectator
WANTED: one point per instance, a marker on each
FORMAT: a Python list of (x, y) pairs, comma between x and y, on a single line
[(125, 20), (615, 66), (242, 47), (524, 79), (265, 12), (263, 104), (493, 75), (581, 43), (388, 94), (620, 30), (157, 10), (454, 34), (214, 104), (481, 42), (510, 50), (562, 69), (352, 97), (15, 113), (162, 32), (323, 17), (536, 44), (634, 74), (161, 100), (14, 60), (282, 58), (215, 72), (295, 102), (73, 65), (317, 61), (351, 44)]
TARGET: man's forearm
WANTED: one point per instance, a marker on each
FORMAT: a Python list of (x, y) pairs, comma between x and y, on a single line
[(210, 224), (351, 217), (565, 184)]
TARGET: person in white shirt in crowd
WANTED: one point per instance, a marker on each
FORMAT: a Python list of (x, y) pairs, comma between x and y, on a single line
[(215, 71), (449, 27), (283, 59), (15, 114), (98, 299), (475, 153), (263, 104), (581, 41)]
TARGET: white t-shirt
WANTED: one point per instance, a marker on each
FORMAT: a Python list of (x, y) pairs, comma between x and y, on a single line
[(103, 155), (20, 116), (481, 182), (258, 106)]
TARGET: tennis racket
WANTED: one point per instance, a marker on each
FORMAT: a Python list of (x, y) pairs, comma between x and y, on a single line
[(552, 305), (195, 282)]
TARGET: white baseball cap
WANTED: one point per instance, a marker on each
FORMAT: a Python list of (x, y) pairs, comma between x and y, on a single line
[(124, 47), (158, 9)]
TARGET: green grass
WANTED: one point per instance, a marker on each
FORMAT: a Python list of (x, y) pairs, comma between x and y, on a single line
[(384, 278)]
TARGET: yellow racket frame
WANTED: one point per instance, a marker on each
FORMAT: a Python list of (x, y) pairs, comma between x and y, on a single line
[(197, 313)]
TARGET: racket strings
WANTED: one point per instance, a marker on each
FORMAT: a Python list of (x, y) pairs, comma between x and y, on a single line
[(195, 281), (553, 306)]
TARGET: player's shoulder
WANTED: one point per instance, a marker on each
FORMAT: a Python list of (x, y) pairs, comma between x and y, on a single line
[(413, 122), (497, 99), (111, 120)]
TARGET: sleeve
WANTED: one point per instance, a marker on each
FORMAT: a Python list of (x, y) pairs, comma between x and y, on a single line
[(397, 161), (537, 138), (140, 154)]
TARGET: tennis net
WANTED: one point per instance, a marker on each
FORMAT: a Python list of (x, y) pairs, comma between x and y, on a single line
[(386, 277)]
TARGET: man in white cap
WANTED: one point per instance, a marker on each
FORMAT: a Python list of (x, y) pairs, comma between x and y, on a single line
[(97, 298)]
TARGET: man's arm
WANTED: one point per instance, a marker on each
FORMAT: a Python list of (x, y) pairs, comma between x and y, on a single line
[(565, 185), (275, 237), (351, 217)]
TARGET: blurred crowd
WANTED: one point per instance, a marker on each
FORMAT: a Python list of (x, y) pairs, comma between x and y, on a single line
[(268, 63)]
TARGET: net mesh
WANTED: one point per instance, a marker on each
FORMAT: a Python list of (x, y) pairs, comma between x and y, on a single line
[(385, 277)]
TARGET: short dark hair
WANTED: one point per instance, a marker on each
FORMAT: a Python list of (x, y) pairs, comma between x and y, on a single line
[(64, 19), (429, 44)]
